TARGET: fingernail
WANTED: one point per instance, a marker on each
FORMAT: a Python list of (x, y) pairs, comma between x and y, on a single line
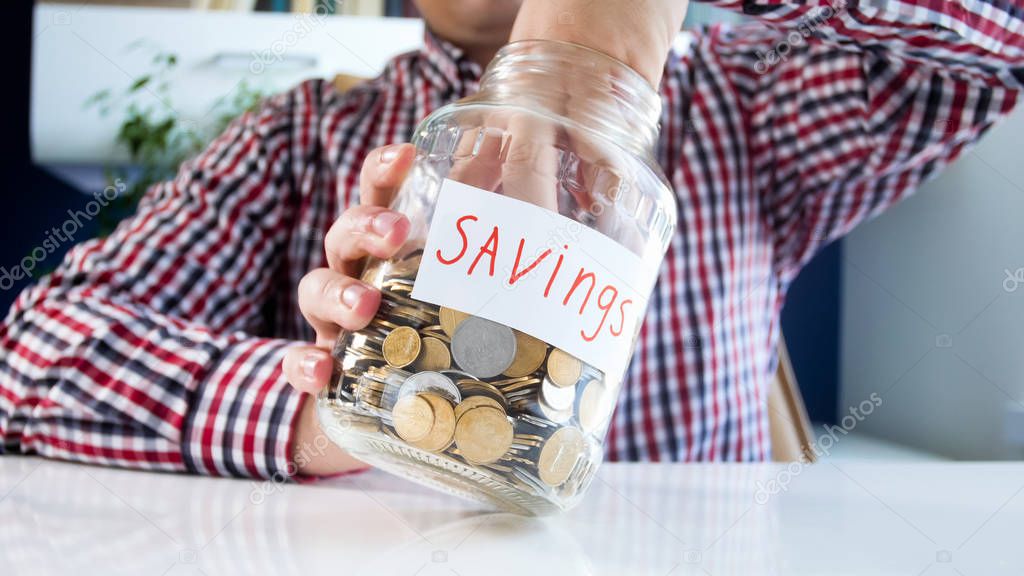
[(389, 153), (308, 365), (351, 295), (384, 222)]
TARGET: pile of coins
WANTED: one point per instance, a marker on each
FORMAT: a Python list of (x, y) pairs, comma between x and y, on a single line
[(458, 385)]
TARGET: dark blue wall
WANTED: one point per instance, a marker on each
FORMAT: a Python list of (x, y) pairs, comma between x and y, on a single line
[(810, 322), (34, 200)]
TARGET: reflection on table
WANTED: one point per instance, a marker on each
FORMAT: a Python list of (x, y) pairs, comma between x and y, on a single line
[(59, 518)]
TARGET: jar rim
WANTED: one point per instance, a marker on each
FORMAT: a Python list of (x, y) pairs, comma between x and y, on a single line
[(527, 42), (631, 108)]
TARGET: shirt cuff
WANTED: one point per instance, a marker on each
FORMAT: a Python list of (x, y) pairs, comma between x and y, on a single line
[(240, 418)]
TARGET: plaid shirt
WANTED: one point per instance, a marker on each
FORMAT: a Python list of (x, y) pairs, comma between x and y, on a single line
[(160, 346)]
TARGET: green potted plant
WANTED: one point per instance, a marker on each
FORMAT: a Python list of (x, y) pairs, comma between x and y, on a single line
[(157, 138)]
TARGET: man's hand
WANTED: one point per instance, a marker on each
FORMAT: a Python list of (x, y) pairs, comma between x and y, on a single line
[(637, 32), (334, 299)]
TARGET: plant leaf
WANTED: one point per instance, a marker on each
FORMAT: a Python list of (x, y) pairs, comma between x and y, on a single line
[(140, 83)]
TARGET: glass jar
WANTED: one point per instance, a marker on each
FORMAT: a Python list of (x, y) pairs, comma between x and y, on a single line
[(539, 221)]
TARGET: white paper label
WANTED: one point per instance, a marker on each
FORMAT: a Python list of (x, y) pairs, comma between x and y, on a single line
[(534, 270)]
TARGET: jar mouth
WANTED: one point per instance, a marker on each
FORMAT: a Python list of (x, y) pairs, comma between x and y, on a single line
[(520, 46), (615, 100)]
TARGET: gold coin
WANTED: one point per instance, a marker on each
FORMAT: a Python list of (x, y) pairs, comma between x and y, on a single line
[(443, 430), (563, 368), (530, 354), (477, 388), (434, 356), (475, 402), (435, 331), (483, 434), (450, 319), (404, 268), (401, 346), (595, 406), (510, 381), (559, 455), (412, 313), (526, 384), (413, 417)]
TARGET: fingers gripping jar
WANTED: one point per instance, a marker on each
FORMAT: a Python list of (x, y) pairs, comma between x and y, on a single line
[(539, 221)]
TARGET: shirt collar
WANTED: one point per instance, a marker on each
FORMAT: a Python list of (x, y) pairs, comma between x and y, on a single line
[(453, 64)]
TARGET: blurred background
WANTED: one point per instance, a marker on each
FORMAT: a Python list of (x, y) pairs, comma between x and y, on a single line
[(923, 307)]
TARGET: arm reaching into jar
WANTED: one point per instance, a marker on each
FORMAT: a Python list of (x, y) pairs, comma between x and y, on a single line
[(636, 32)]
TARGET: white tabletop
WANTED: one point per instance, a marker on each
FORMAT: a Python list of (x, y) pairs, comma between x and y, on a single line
[(842, 518)]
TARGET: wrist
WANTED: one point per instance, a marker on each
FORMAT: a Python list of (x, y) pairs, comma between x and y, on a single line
[(639, 33), (312, 452)]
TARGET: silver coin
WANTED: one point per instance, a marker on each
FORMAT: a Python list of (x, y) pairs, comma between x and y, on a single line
[(483, 348), (557, 398), (553, 414), (595, 406), (434, 382)]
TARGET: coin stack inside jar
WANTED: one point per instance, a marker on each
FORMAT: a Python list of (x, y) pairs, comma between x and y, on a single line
[(451, 383)]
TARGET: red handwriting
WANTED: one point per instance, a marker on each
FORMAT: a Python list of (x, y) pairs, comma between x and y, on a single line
[(519, 254), (581, 289), (462, 233)]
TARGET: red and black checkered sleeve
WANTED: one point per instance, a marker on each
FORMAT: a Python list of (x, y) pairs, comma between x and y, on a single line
[(138, 351), (851, 105)]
